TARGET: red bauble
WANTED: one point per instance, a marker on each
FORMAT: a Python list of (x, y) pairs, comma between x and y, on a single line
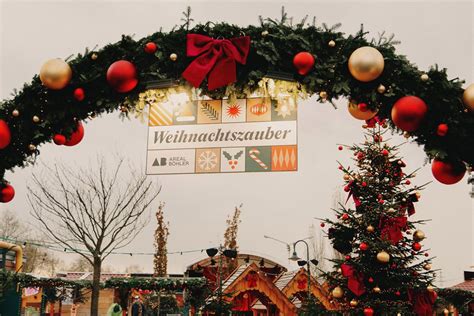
[(368, 311), (416, 246), (7, 193), (360, 155), (363, 246), (344, 217), (76, 136), (122, 76), (363, 107), (303, 62), (442, 129), (348, 257), (364, 184), (340, 147), (59, 139), (448, 172), (397, 293), (322, 224), (150, 48), (407, 182), (408, 112), (385, 153), (371, 280), (79, 94), (5, 135)]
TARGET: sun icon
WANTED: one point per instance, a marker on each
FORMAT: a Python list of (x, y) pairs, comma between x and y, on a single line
[(233, 110)]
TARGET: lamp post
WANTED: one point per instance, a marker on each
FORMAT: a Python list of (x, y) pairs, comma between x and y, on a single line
[(301, 263)]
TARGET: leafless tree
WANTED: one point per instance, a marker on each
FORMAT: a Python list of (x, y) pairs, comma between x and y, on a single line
[(81, 264), (92, 211), (11, 227)]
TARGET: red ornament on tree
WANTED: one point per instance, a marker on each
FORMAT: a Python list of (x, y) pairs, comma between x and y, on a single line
[(150, 48), (59, 139), (368, 311), (416, 246), (79, 94), (371, 280), (442, 129), (344, 217), (340, 147), (385, 153), (322, 224), (7, 193), (363, 246), (122, 76), (5, 135), (76, 136), (448, 172), (408, 112), (303, 62)]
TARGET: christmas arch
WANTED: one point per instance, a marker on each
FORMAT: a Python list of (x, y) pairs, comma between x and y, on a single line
[(223, 60)]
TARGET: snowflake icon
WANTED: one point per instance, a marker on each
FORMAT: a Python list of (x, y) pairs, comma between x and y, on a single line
[(207, 160)]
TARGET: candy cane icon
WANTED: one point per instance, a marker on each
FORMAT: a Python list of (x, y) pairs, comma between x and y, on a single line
[(253, 153)]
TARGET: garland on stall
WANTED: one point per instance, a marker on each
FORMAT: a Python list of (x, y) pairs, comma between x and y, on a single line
[(227, 60)]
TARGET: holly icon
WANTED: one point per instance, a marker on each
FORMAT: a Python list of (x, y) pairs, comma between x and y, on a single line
[(233, 160)]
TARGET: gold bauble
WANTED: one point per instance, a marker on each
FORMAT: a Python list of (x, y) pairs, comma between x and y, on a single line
[(376, 289), (264, 33), (383, 257), (31, 147), (406, 135), (424, 77), (55, 74), (354, 303), (381, 89), (358, 114), (35, 119), (94, 56), (366, 64), (15, 113), (430, 288), (337, 292), (445, 311), (418, 235), (323, 95), (331, 43), (173, 57), (427, 267), (370, 229), (468, 97), (346, 177), (418, 194)]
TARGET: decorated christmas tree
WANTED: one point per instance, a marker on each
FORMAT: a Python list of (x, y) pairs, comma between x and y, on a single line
[(386, 270)]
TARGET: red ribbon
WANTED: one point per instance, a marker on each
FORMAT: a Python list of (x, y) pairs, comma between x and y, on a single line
[(392, 228), (422, 302), (216, 59), (354, 279)]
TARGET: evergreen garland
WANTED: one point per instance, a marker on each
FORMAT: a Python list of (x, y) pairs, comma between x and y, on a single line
[(273, 46)]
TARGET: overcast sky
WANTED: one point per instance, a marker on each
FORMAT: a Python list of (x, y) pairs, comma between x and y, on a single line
[(282, 205)]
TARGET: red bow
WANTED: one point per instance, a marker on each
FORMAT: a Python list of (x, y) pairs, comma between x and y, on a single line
[(216, 58), (422, 302), (392, 228), (354, 279)]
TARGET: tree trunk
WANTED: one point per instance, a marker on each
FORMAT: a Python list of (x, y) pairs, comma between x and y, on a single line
[(96, 287)]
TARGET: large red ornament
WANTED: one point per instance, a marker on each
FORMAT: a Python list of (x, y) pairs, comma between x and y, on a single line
[(7, 193), (122, 76), (408, 112), (76, 136), (368, 311), (5, 135), (363, 246), (150, 48), (303, 62), (416, 246), (448, 172)]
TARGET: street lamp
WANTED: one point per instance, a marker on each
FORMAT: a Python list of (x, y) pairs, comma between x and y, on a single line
[(301, 263)]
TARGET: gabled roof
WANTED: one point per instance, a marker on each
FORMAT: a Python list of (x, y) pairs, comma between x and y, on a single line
[(284, 279), (234, 275), (466, 286)]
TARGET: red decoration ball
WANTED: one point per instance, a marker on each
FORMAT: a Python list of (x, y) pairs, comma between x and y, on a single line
[(150, 48), (76, 136), (322, 224), (344, 217), (340, 147), (340, 167), (385, 152), (371, 280), (363, 246), (79, 94), (408, 113), (368, 311), (59, 139), (416, 246), (5, 135), (347, 188), (7, 193), (397, 293), (442, 129), (363, 107), (360, 155), (448, 172), (364, 184), (348, 258), (303, 62), (426, 254), (122, 76), (407, 182)]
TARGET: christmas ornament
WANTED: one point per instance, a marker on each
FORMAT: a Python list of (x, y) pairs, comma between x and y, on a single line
[(35, 119), (370, 229), (337, 292), (448, 172), (55, 74), (94, 56), (322, 225), (173, 57), (344, 217), (31, 147), (79, 94), (363, 246), (430, 288), (366, 64), (416, 246), (122, 76), (150, 48), (7, 193), (442, 129), (340, 147), (418, 235), (216, 59), (77, 136), (468, 97), (424, 77), (368, 311), (385, 152), (5, 134), (323, 95), (383, 257), (427, 267), (265, 33), (59, 139), (354, 303), (371, 280), (358, 114), (376, 289), (381, 89), (346, 177), (15, 113), (408, 112), (303, 62)]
